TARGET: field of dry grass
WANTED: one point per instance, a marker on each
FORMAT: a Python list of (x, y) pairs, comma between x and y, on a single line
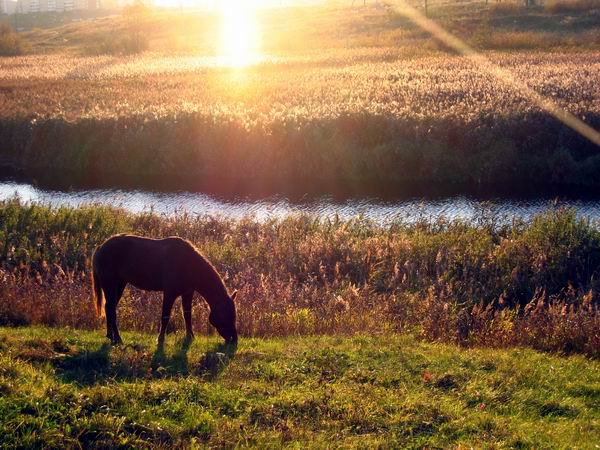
[(351, 115), (294, 90), (340, 95), (296, 30)]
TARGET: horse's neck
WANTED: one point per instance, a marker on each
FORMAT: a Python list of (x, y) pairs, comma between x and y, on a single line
[(211, 285), (213, 296)]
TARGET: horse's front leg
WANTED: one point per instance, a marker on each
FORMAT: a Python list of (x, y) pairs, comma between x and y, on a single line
[(186, 301), (168, 300)]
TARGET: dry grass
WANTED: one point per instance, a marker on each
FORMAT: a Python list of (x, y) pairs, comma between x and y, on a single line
[(506, 7), (519, 40), (353, 115), (302, 30), (377, 82), (481, 284), (343, 96), (523, 40)]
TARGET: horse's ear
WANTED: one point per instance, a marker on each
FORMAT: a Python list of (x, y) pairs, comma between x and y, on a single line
[(233, 295)]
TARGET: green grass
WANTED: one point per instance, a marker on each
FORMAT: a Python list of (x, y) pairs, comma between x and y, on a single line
[(64, 388)]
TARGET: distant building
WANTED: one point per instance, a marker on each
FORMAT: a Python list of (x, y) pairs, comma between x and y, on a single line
[(35, 6), (8, 6)]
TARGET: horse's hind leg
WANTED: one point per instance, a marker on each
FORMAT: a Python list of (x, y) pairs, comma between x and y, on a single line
[(168, 300), (113, 294), (186, 302)]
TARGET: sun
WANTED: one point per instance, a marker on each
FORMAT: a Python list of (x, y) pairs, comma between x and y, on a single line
[(240, 36)]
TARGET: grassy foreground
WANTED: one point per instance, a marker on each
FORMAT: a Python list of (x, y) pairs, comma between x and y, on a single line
[(64, 388)]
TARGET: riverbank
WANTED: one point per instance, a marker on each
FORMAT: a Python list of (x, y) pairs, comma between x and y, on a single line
[(478, 283), (335, 98), (64, 388)]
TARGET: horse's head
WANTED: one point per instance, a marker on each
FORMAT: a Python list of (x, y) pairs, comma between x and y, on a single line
[(222, 317)]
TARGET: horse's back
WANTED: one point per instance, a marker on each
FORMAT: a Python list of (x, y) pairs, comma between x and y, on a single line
[(123, 242), (144, 262), (119, 245)]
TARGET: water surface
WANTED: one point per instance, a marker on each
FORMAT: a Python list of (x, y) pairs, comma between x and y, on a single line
[(378, 210)]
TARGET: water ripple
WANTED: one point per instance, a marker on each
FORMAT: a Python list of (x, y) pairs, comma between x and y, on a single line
[(382, 212)]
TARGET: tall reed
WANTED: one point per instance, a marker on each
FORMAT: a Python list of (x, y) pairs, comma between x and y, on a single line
[(526, 283)]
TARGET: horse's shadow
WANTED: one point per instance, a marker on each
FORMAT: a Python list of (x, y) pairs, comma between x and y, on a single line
[(88, 367), (162, 364), (215, 360)]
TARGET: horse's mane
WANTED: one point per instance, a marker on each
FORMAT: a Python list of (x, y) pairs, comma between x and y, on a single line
[(208, 271)]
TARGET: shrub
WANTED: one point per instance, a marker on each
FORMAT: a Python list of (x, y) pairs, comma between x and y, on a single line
[(132, 39), (11, 43), (570, 6), (131, 43), (506, 8)]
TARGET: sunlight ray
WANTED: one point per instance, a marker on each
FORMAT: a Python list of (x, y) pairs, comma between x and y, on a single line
[(502, 74)]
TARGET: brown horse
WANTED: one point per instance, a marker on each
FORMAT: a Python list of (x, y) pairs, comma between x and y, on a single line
[(171, 265)]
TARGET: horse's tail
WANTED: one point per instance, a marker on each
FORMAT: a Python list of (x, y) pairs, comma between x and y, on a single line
[(97, 288)]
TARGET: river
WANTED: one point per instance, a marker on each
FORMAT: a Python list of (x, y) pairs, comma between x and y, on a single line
[(382, 211)]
